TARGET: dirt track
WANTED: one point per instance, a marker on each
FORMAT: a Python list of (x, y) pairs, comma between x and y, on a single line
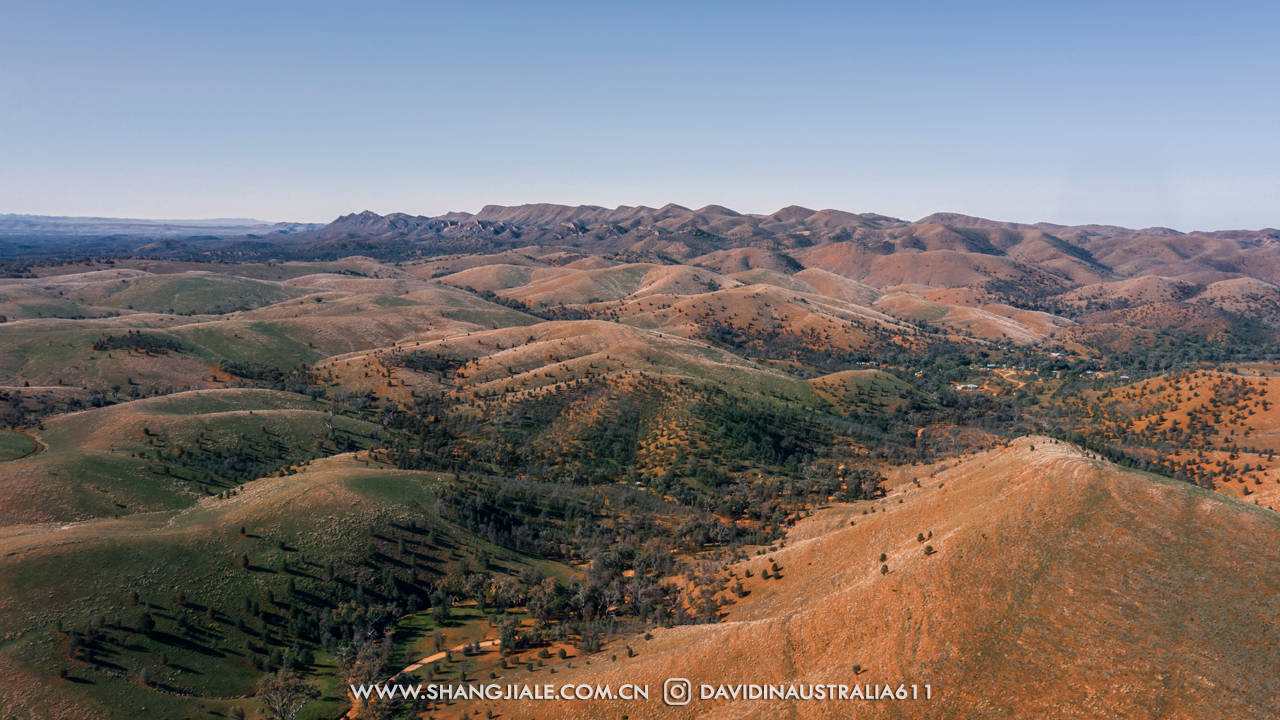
[(441, 655)]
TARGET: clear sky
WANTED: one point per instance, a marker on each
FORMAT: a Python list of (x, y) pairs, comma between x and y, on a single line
[(1139, 114)]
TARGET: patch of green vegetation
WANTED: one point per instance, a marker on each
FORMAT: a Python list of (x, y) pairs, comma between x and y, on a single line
[(281, 342), (171, 451), (414, 636), (261, 343), (137, 340), (204, 626), (755, 276), (386, 301), (861, 390), (217, 401), (115, 484), (514, 276), (113, 693), (397, 486), (927, 313), (49, 309), (199, 293), (201, 648), (621, 281), (49, 352), (14, 445)]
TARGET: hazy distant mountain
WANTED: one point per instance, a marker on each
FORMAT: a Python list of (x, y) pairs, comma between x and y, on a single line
[(50, 225), (859, 246), (138, 221), (559, 222)]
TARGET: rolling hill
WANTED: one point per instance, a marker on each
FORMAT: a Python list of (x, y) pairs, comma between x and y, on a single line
[(1043, 569)]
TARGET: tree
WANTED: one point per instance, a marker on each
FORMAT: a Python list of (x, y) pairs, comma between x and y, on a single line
[(377, 710), (236, 713), (441, 608), (362, 662), (284, 694)]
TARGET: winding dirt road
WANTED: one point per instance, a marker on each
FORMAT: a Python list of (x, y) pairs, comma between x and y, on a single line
[(440, 655)]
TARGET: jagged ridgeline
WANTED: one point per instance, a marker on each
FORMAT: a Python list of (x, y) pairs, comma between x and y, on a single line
[(309, 456)]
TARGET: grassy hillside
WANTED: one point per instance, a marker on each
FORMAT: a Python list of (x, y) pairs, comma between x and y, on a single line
[(167, 452), (14, 445), (1027, 556), (217, 621), (189, 293)]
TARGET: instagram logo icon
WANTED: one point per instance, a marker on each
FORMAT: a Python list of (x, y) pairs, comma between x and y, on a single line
[(677, 691)]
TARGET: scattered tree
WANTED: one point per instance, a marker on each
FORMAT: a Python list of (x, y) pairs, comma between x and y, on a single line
[(284, 694)]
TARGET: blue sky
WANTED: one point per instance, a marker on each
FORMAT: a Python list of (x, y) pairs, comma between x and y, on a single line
[(1137, 114)]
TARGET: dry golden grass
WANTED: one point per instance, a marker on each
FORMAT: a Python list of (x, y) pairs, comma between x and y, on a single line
[(738, 260), (932, 268), (616, 283), (1239, 412), (826, 322), (1184, 319), (392, 286), (839, 287), (1251, 298), (990, 321), (777, 279), (1133, 291), (526, 359), (440, 267), (1060, 586), (496, 278), (1051, 254)]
